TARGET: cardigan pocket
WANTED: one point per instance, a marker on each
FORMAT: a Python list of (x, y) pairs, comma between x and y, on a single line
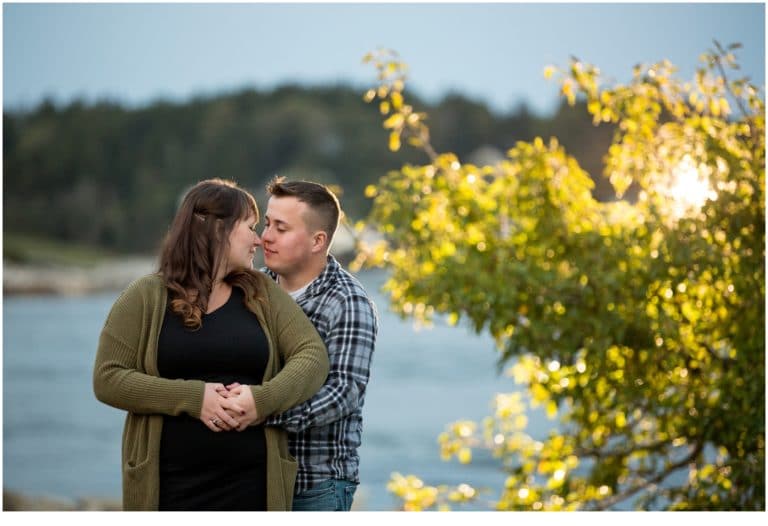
[(135, 473), (136, 483), (135, 440), (289, 468), (140, 466)]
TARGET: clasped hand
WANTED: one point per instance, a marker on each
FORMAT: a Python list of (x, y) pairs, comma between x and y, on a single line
[(227, 408)]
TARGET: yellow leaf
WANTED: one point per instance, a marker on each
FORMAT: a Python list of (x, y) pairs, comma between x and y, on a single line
[(427, 268), (539, 393), (397, 100), (465, 455), (370, 191), (714, 108), (548, 72), (384, 107), (394, 121), (369, 95), (554, 483), (394, 141), (725, 108), (521, 421), (567, 90), (551, 409)]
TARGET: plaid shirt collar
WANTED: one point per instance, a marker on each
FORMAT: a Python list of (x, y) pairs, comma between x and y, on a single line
[(321, 283)]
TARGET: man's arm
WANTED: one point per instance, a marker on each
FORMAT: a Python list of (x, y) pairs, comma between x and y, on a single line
[(350, 344)]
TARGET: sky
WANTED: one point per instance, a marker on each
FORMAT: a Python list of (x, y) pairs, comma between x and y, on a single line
[(494, 52)]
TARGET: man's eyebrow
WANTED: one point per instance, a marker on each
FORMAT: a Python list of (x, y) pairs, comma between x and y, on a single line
[(279, 221)]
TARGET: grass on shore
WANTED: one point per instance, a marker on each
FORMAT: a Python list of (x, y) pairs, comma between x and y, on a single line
[(30, 250)]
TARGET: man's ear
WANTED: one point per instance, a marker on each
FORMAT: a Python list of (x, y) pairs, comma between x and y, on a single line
[(319, 241)]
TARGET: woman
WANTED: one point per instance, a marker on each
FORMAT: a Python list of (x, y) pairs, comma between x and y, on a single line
[(174, 339)]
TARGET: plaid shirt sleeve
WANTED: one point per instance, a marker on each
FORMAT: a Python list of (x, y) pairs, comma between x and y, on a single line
[(350, 344)]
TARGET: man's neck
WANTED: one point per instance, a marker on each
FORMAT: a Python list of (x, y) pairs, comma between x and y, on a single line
[(299, 279)]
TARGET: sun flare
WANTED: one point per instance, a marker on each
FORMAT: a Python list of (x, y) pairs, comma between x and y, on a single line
[(689, 188)]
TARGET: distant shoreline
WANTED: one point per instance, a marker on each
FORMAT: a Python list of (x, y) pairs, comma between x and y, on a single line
[(73, 281), (17, 501), (112, 275)]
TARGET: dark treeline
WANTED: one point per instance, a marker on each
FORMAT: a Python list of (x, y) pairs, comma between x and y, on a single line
[(100, 174)]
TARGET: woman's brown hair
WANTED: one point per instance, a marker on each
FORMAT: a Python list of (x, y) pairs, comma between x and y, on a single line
[(197, 244)]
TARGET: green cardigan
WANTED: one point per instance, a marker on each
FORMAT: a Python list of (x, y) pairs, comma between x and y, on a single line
[(125, 376)]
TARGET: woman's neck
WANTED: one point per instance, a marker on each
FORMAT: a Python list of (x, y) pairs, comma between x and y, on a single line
[(220, 293)]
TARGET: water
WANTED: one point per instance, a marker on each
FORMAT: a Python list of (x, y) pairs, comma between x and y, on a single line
[(58, 440)]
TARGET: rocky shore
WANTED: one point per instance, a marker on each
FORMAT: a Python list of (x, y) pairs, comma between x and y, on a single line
[(115, 274), (37, 279), (14, 501)]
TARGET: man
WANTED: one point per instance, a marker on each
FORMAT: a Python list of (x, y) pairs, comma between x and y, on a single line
[(324, 432)]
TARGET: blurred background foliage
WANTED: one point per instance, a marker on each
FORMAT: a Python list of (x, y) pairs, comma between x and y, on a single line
[(103, 176), (639, 325)]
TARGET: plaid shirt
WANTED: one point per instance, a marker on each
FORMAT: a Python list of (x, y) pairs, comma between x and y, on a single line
[(325, 431)]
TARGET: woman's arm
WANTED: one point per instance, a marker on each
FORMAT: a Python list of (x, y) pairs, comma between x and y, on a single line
[(119, 377), (302, 352)]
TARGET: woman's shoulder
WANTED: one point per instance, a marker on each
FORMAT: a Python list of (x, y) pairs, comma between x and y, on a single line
[(141, 294), (148, 282), (148, 285), (153, 279), (273, 297), (274, 292)]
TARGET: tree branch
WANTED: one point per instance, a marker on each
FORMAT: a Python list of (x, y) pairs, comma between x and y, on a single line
[(607, 503)]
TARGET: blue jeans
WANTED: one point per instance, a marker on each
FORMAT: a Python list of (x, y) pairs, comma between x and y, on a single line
[(329, 495)]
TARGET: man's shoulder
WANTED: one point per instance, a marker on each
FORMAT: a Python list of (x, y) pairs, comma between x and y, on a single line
[(341, 285)]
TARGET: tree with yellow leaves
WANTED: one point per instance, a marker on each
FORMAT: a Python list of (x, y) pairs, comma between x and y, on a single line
[(639, 325)]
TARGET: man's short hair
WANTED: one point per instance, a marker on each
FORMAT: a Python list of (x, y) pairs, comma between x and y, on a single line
[(318, 198)]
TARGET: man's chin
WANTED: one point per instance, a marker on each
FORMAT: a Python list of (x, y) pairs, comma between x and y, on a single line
[(270, 262)]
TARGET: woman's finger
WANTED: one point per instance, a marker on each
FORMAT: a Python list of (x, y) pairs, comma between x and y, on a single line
[(233, 406), (234, 414), (225, 421), (210, 424), (242, 427)]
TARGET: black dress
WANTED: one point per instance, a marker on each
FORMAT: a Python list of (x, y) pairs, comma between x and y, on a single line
[(201, 469)]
